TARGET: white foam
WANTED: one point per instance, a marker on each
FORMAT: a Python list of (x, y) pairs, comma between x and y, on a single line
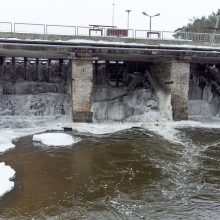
[(7, 173), (103, 128), (12, 127), (55, 139)]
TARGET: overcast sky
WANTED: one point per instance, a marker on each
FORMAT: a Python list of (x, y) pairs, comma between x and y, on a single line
[(173, 13)]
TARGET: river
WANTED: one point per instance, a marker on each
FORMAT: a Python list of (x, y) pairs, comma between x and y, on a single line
[(135, 173)]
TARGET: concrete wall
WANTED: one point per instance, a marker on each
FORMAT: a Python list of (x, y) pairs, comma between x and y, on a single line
[(82, 89), (173, 78)]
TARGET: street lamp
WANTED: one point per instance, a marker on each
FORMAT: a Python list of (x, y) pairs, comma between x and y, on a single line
[(150, 16), (128, 11), (113, 14)]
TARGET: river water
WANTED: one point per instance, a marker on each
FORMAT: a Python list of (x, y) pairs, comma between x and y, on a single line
[(130, 174)]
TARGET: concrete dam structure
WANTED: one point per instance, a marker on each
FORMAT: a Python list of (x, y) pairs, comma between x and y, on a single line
[(108, 79)]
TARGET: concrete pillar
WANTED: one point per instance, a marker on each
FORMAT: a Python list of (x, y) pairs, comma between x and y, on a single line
[(36, 77), (60, 66), (25, 68), (180, 89), (82, 89), (173, 77), (13, 60)]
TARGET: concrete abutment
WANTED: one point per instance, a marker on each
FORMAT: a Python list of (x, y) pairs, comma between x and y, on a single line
[(173, 78)]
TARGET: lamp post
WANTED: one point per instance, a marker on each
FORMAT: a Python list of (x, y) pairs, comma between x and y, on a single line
[(113, 14), (150, 16), (128, 11)]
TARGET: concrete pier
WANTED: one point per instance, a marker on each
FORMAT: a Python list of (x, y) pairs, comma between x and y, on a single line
[(82, 89), (173, 78)]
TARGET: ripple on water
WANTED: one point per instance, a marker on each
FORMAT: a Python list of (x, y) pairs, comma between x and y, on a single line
[(131, 174)]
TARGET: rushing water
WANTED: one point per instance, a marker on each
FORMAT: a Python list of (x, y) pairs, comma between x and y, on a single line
[(130, 174)]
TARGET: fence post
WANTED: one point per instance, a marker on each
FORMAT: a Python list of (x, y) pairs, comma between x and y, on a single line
[(46, 29), (11, 26), (133, 33)]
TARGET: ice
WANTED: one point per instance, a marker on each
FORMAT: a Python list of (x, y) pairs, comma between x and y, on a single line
[(55, 139), (13, 127), (125, 106), (7, 173), (103, 128)]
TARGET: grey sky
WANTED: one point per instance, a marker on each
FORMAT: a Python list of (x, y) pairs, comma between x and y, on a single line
[(174, 13)]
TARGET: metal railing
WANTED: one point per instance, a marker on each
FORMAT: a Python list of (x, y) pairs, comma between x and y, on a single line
[(6, 27), (102, 32), (153, 34), (29, 28), (60, 29), (105, 31)]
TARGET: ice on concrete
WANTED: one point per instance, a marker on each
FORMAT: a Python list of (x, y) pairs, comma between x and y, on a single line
[(6, 174), (55, 139)]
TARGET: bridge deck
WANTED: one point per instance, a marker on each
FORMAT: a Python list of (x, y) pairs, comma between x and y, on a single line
[(55, 46)]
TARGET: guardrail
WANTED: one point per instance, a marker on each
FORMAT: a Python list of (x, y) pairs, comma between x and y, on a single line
[(105, 31), (5, 26), (60, 29), (29, 28)]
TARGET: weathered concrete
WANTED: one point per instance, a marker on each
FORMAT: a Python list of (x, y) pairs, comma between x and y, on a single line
[(173, 78), (82, 89)]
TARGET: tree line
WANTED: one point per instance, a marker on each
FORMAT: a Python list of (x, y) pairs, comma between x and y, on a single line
[(201, 25)]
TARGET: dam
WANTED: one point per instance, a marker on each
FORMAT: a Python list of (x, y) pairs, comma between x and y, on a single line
[(88, 76), (140, 158)]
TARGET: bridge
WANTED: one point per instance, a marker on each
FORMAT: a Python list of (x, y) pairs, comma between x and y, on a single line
[(168, 61)]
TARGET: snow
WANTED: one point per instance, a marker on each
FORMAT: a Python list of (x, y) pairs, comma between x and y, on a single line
[(109, 42), (12, 127), (189, 46), (7, 173), (103, 128), (55, 139)]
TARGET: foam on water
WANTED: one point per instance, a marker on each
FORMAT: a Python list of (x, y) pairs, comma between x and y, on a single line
[(7, 173), (103, 128)]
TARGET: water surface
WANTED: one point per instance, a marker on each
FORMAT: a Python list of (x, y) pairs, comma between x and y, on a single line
[(132, 174)]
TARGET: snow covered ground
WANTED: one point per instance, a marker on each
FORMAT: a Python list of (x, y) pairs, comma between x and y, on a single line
[(6, 174)]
